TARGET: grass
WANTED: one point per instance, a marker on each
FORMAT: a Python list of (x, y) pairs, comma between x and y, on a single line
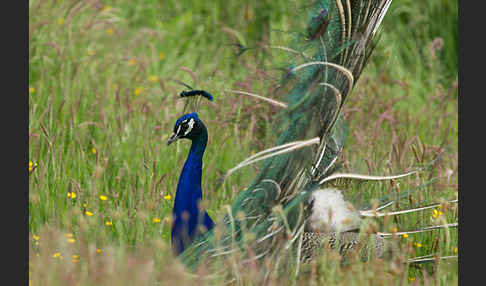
[(102, 104)]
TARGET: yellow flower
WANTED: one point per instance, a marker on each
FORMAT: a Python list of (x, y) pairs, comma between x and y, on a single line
[(88, 213), (60, 21), (85, 205), (418, 244), (137, 91), (411, 278), (32, 166), (153, 78), (167, 219), (94, 151), (71, 195), (108, 223), (455, 250), (110, 31), (132, 62), (31, 89), (167, 197), (57, 255), (405, 235), (161, 55), (436, 213), (75, 256), (156, 220), (98, 250), (35, 237), (103, 198), (394, 229), (68, 235), (71, 240)]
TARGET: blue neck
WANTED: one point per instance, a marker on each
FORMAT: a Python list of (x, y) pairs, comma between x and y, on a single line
[(188, 217)]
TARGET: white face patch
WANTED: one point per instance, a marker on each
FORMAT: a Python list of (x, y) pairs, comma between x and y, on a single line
[(190, 124)]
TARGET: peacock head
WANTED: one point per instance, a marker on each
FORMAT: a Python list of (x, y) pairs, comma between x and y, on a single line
[(187, 126)]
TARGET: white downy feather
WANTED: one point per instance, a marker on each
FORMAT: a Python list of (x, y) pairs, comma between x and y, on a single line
[(331, 213)]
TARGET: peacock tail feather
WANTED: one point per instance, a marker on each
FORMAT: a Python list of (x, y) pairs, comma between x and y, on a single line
[(269, 217)]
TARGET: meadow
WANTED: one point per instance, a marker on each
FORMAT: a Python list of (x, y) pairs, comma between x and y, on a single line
[(103, 99)]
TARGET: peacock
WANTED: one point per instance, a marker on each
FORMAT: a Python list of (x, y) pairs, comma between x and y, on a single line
[(289, 211), (186, 212)]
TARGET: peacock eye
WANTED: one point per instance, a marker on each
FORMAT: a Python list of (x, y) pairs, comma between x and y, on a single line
[(185, 127), (182, 129)]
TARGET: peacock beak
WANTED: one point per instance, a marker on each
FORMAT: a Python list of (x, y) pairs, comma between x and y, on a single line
[(172, 138)]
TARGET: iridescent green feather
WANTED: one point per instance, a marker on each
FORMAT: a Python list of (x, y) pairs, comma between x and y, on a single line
[(268, 217)]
